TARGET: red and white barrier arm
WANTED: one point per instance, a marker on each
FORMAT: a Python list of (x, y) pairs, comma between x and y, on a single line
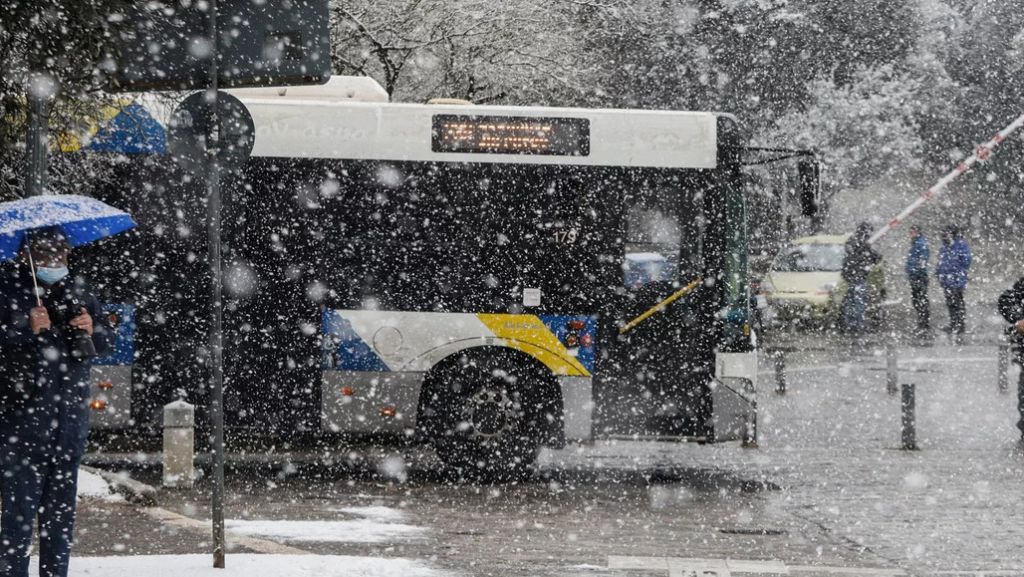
[(982, 153)]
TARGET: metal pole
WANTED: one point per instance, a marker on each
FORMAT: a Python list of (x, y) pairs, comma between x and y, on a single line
[(891, 367), (908, 433), (780, 372), (750, 428), (1003, 368), (35, 151), (216, 327)]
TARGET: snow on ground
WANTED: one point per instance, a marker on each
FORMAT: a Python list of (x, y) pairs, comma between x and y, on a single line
[(378, 513), (92, 486), (377, 525), (248, 566), (349, 531)]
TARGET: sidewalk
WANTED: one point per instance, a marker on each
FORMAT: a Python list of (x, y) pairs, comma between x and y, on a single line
[(115, 538)]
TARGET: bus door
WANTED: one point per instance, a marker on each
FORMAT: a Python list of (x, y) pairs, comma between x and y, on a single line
[(661, 356)]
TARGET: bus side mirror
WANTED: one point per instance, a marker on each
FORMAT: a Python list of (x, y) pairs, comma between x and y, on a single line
[(810, 186)]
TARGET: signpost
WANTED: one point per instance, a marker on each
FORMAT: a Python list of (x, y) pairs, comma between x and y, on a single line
[(217, 306), (193, 124), (204, 46), (167, 46)]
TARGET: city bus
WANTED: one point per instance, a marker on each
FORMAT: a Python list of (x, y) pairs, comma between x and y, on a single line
[(488, 280)]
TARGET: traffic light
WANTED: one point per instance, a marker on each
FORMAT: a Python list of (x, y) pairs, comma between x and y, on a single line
[(809, 173)]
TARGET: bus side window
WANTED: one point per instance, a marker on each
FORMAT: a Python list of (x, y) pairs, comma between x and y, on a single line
[(664, 226), (652, 246)]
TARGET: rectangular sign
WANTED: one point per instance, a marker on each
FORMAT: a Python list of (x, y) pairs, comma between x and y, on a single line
[(511, 135), (167, 46)]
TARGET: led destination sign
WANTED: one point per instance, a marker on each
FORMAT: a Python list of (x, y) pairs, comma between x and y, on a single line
[(511, 135)]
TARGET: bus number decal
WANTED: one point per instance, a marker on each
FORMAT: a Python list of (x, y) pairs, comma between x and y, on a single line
[(566, 236)]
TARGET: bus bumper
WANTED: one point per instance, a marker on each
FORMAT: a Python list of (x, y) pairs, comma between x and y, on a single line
[(733, 400), (578, 407)]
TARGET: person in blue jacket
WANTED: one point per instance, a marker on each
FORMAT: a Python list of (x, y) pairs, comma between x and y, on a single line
[(47, 343), (917, 273), (952, 268)]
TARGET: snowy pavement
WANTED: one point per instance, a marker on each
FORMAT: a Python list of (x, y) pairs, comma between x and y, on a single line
[(827, 493), (248, 565), (127, 531)]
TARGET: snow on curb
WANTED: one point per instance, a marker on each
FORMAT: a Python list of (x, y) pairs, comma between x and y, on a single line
[(377, 525), (347, 531), (92, 487), (376, 512), (120, 483), (246, 565)]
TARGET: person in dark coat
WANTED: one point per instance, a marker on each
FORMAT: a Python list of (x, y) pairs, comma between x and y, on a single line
[(857, 264), (917, 273), (952, 268), (46, 351), (1011, 306)]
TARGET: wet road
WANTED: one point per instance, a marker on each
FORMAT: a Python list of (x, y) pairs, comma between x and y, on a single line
[(828, 491)]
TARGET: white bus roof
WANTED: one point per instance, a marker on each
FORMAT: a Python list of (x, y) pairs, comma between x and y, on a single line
[(308, 127)]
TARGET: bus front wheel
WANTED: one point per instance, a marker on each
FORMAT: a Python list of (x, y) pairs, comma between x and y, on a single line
[(483, 414)]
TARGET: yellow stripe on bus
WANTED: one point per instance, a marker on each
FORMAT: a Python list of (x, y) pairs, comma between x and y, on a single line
[(529, 334)]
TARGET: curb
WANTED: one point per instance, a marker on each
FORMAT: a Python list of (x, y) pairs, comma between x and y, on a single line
[(133, 491)]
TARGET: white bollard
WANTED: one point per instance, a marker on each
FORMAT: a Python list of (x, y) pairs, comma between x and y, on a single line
[(179, 444)]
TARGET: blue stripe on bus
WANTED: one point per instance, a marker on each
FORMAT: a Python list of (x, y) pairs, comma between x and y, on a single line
[(342, 349), (122, 317), (559, 324)]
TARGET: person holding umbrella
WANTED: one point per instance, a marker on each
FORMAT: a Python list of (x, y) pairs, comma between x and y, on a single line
[(51, 328)]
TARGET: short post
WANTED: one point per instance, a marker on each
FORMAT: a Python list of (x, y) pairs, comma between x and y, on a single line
[(780, 371), (1003, 368), (750, 427), (908, 432), (179, 444), (891, 367)]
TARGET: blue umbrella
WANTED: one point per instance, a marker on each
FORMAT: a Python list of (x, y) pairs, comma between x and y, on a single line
[(80, 218)]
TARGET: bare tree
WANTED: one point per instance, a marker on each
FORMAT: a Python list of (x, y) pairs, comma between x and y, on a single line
[(482, 51)]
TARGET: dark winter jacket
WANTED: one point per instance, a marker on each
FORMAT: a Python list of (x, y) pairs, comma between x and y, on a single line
[(1011, 306), (43, 388), (954, 262), (1011, 302), (859, 259), (917, 258)]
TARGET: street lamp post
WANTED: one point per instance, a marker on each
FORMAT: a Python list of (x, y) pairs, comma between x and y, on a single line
[(35, 151)]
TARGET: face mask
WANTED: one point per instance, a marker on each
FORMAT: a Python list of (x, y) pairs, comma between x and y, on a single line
[(51, 275)]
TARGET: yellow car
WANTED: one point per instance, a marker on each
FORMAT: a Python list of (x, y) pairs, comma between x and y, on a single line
[(804, 282)]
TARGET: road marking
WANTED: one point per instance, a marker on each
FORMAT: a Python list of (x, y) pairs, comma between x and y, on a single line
[(846, 570), (252, 543), (686, 567)]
